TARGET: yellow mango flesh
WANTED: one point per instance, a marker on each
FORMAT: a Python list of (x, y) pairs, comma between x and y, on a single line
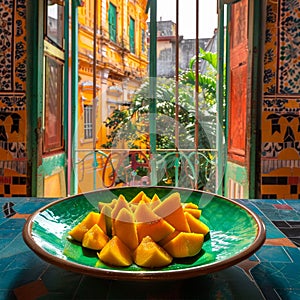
[(95, 238), (185, 244), (171, 210), (116, 253), (157, 230), (150, 255), (195, 212), (139, 197), (106, 214), (150, 224), (196, 225), (88, 222), (125, 228)]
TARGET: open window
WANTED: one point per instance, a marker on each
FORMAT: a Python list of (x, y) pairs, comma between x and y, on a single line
[(53, 75)]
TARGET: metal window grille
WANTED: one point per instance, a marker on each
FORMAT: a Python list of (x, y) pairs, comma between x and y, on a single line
[(88, 121)]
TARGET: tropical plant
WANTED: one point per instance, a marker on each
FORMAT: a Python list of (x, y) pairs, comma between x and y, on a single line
[(132, 125)]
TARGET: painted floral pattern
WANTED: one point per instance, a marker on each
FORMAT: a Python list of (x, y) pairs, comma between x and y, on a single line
[(281, 104), (13, 163)]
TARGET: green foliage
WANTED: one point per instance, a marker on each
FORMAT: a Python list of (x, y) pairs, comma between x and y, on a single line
[(132, 124)]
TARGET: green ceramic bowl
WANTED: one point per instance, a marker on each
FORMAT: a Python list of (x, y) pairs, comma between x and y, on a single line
[(235, 234)]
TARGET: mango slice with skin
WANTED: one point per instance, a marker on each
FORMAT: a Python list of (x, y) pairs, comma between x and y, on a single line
[(150, 224), (95, 238), (155, 201), (125, 228), (195, 212), (184, 244), (106, 213), (196, 225), (139, 197), (116, 253), (88, 222), (150, 255), (172, 211)]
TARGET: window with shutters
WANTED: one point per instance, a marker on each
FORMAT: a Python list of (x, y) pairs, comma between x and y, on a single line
[(112, 22), (132, 35)]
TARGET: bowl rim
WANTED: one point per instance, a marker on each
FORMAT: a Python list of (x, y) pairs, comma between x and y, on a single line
[(149, 274)]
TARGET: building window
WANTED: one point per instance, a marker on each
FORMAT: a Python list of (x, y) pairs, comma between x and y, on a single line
[(53, 138), (55, 22), (88, 122), (143, 40), (53, 134), (132, 35), (112, 22)]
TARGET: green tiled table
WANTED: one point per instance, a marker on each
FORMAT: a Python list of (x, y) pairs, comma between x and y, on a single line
[(273, 272)]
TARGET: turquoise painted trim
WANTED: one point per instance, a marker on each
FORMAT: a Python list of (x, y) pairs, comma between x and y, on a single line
[(239, 175), (52, 164), (74, 93), (66, 83), (257, 17), (220, 100), (35, 91), (31, 79), (153, 82), (228, 16)]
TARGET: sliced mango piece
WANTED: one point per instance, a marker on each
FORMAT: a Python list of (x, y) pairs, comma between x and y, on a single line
[(106, 213), (150, 255), (110, 204), (102, 222), (190, 205), (196, 225), (139, 197), (155, 201), (95, 238), (195, 212), (125, 228), (116, 253), (88, 222), (150, 224), (121, 202), (185, 244), (171, 210)]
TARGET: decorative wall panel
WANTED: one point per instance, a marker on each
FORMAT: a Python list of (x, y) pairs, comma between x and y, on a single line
[(13, 160), (280, 164)]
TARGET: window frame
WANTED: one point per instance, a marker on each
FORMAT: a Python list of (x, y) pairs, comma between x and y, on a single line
[(87, 121), (112, 22), (53, 141), (132, 35)]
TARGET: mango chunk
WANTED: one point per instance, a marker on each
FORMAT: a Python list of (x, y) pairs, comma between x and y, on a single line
[(88, 222), (139, 197), (95, 238), (190, 205), (155, 201), (171, 210), (196, 225), (106, 214), (150, 224), (185, 244), (195, 212), (125, 228), (116, 253), (150, 255), (121, 202)]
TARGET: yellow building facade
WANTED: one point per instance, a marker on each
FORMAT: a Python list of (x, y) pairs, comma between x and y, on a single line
[(119, 69)]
